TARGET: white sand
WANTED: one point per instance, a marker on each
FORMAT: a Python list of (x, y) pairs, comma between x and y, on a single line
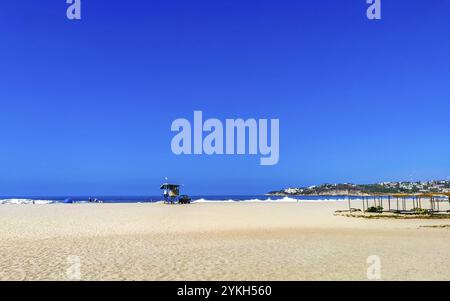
[(215, 241)]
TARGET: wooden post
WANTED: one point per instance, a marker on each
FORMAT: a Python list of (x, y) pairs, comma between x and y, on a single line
[(349, 204), (389, 202)]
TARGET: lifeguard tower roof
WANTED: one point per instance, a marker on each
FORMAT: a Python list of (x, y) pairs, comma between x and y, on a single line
[(169, 186)]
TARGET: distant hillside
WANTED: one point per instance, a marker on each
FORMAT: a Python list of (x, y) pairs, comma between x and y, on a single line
[(367, 189)]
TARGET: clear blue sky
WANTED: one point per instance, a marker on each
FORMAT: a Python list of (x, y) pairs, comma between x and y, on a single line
[(86, 106)]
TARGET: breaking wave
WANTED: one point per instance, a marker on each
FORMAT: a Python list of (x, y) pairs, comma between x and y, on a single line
[(25, 202), (269, 200), (198, 199)]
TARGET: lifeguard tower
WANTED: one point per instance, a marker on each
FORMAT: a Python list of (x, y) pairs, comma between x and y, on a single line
[(171, 193)]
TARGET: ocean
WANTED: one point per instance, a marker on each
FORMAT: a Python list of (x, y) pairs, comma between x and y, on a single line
[(155, 199)]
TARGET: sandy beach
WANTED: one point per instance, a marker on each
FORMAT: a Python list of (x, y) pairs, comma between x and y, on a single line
[(215, 241)]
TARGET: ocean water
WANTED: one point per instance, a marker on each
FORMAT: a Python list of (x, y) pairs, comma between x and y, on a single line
[(154, 199)]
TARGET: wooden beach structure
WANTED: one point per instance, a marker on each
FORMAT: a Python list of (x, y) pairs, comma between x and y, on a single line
[(401, 203)]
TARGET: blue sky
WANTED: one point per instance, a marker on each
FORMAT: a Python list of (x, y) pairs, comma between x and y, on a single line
[(86, 106)]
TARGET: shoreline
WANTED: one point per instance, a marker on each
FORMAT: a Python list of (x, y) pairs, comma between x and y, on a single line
[(212, 199)]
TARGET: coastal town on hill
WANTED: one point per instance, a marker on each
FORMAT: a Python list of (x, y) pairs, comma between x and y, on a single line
[(438, 186)]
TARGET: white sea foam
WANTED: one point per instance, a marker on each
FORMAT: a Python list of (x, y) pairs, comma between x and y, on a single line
[(16, 201), (24, 202), (269, 200), (213, 201)]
